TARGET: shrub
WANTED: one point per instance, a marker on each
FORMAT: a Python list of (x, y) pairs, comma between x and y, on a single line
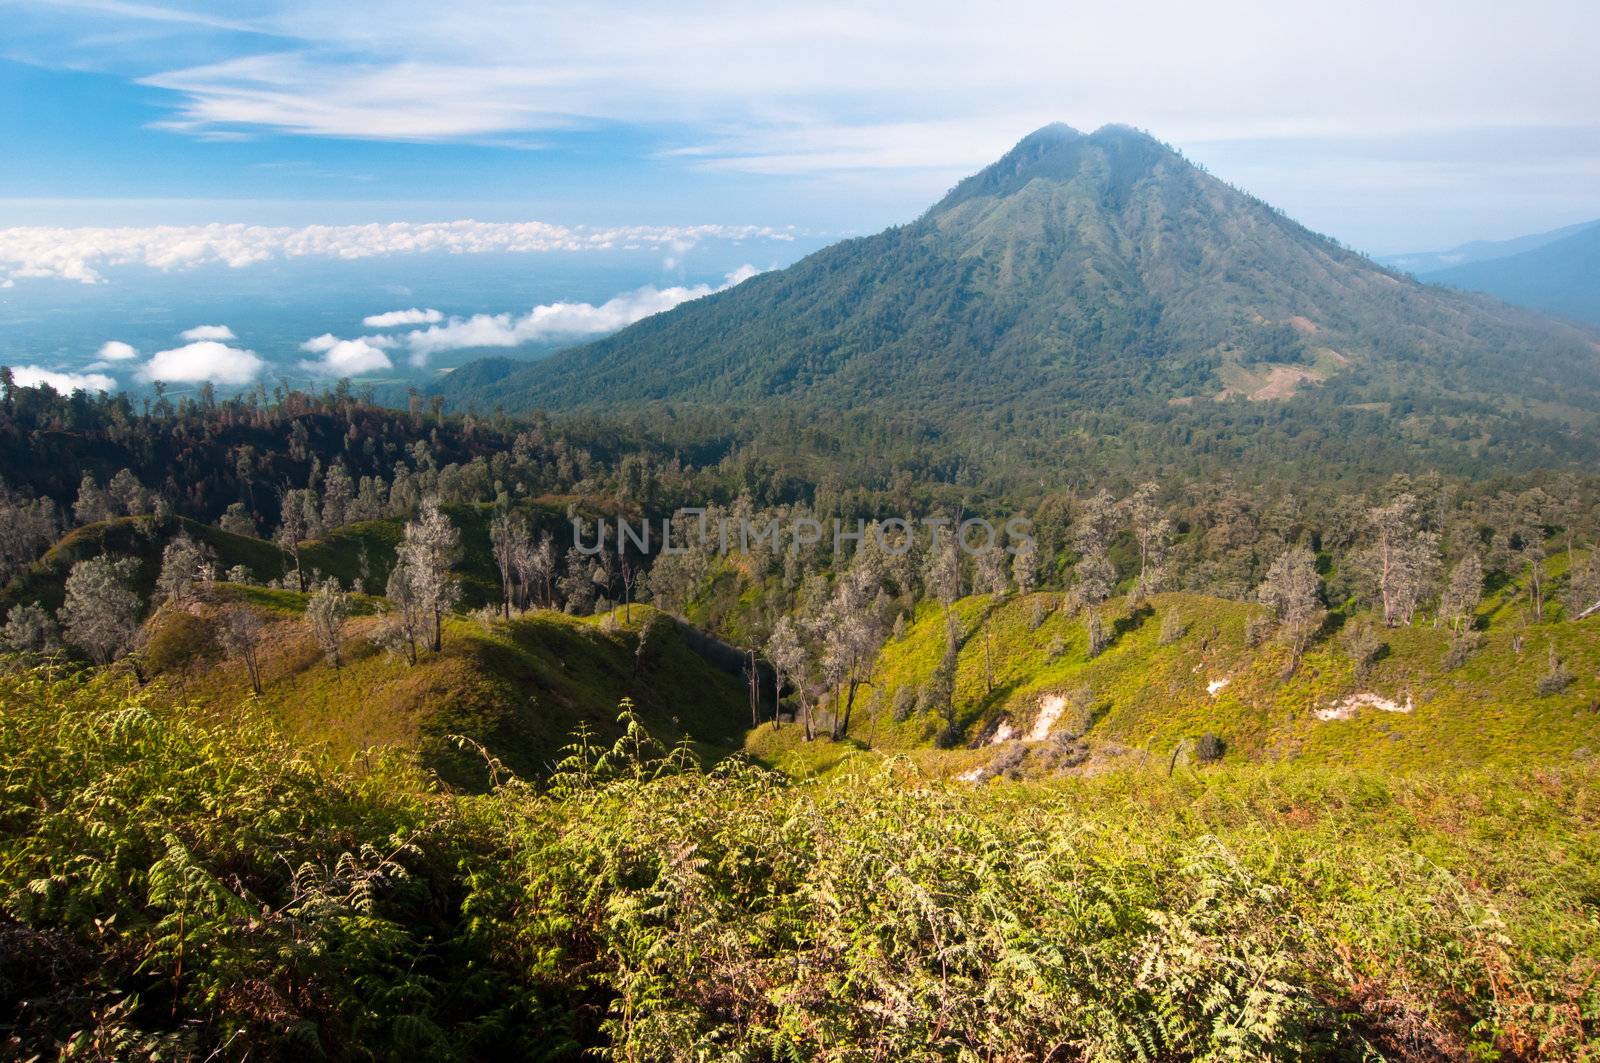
[(1257, 630), (1363, 646), (1556, 678), (903, 704), (1095, 629), (1173, 627), (1463, 645), (1208, 748), (1078, 713)]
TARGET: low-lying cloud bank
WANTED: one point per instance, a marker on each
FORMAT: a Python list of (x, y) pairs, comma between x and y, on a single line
[(560, 320), (31, 376), (414, 316), (208, 356), (82, 254)]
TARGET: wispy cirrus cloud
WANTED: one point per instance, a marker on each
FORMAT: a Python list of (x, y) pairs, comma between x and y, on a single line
[(908, 94), (84, 254)]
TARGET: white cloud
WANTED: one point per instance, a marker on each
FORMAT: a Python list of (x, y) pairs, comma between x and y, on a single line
[(116, 351), (31, 376), (341, 358), (841, 94), (414, 316), (208, 332), (559, 320), (203, 360), (492, 70), (83, 254)]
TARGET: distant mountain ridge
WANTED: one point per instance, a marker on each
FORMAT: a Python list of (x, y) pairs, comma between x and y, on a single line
[(1097, 282), (1425, 262), (1560, 277)]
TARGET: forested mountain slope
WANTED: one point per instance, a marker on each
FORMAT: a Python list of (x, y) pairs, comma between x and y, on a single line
[(1091, 284)]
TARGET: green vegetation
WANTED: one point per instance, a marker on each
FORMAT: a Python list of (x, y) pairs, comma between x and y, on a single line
[(1094, 302), (1290, 753), (516, 688), (1145, 696), (174, 885)]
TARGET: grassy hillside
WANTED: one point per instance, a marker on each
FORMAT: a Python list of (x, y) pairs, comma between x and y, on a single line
[(143, 539), (519, 688), (174, 886), (1142, 699)]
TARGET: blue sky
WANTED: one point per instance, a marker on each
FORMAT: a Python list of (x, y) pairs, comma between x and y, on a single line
[(1392, 126)]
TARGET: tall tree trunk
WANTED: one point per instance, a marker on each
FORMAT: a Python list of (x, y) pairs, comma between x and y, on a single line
[(849, 707), (988, 666), (755, 692)]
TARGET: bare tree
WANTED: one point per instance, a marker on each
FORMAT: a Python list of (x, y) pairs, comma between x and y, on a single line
[(182, 564), (1401, 561), (404, 620), (852, 631), (545, 565), (27, 528), (942, 577), (788, 657), (240, 633), (292, 529), (1092, 534), (630, 573), (1583, 585), (426, 555), (327, 611), (93, 504), (1459, 602), (508, 539), (1025, 566), (992, 577), (533, 566), (30, 630), (100, 614), (1152, 530), (1291, 590)]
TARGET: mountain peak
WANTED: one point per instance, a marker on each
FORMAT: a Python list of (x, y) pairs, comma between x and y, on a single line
[(1091, 279), (1057, 152)]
